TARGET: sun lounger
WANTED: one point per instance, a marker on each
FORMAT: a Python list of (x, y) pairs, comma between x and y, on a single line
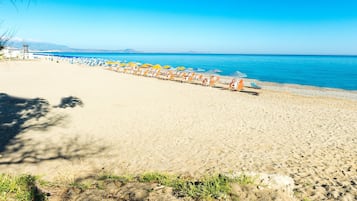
[(213, 80), (240, 85), (234, 85)]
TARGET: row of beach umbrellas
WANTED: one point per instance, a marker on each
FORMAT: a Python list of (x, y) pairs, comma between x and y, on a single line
[(100, 62), (236, 74)]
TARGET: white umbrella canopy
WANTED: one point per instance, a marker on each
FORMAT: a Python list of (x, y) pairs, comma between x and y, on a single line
[(190, 70), (214, 71), (200, 70), (217, 71), (239, 74)]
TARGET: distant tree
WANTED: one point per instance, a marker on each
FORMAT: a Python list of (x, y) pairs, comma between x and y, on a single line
[(3, 41)]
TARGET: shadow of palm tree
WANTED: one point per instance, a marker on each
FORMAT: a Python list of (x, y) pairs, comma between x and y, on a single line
[(18, 115)]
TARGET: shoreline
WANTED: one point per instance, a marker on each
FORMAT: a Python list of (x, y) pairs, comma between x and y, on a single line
[(277, 83), (297, 89)]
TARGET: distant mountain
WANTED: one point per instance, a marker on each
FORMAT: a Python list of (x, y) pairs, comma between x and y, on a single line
[(38, 46), (35, 46), (102, 51)]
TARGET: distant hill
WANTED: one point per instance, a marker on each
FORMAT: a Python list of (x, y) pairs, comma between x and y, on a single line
[(38, 46), (51, 47)]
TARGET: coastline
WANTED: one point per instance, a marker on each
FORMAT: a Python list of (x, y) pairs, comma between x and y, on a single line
[(135, 124), (311, 69), (298, 89)]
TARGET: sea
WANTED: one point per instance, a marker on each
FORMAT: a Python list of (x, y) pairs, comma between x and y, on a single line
[(321, 71)]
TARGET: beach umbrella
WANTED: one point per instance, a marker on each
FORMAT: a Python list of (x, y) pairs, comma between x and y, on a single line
[(132, 64), (215, 71), (157, 67), (180, 68), (200, 70), (239, 74), (116, 63), (146, 65), (109, 62), (167, 67), (190, 70)]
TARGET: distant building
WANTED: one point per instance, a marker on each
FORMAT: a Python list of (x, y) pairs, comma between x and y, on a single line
[(15, 53), (25, 53), (9, 52)]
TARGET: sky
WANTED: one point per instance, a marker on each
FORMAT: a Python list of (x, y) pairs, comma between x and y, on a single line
[(214, 26)]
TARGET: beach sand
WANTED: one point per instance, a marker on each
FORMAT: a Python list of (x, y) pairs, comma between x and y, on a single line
[(131, 124)]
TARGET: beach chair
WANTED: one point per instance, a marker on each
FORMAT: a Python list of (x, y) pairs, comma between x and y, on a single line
[(233, 85), (240, 85), (190, 78), (213, 80), (205, 82), (170, 75)]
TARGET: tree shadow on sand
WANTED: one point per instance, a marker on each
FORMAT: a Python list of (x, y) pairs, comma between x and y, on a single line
[(27, 151), (18, 115), (70, 101), (15, 112)]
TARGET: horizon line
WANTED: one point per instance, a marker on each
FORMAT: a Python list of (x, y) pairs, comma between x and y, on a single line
[(194, 53)]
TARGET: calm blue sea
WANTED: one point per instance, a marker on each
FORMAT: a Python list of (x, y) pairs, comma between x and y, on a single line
[(322, 71)]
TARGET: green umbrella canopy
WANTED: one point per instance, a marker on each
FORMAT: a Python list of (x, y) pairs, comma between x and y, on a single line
[(146, 65), (180, 68)]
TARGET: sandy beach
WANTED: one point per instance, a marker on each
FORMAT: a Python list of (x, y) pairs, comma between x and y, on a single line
[(124, 123)]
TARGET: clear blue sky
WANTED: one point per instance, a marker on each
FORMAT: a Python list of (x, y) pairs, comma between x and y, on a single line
[(222, 26)]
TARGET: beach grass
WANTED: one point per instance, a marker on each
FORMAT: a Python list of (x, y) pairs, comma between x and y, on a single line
[(209, 187), (206, 188), (20, 188)]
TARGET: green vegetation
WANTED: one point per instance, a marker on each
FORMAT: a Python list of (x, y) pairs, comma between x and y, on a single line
[(123, 179), (306, 199), (208, 187), (85, 185), (20, 188), (24, 187)]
